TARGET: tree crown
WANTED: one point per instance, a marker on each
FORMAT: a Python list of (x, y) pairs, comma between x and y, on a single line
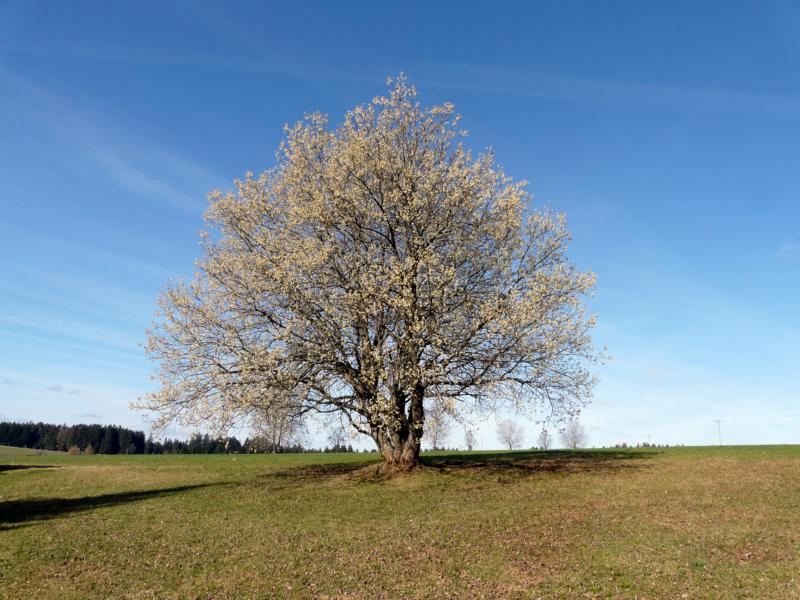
[(377, 267)]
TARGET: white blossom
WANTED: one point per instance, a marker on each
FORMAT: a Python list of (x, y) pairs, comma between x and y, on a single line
[(379, 266)]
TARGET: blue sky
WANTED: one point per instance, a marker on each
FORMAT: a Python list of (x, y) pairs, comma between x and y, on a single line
[(669, 133)]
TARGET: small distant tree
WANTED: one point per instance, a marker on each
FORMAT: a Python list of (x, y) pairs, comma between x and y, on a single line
[(338, 435), (545, 440), (275, 427), (469, 439), (510, 433), (437, 428), (74, 450), (89, 450), (574, 435)]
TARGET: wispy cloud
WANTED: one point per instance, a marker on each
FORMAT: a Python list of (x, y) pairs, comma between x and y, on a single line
[(96, 254), (60, 389), (627, 407), (491, 79), (496, 79), (106, 336), (788, 251), (89, 415), (133, 177), (31, 398), (80, 297), (144, 167)]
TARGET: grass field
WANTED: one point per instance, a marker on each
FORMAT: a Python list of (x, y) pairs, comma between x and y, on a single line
[(6, 451), (676, 523)]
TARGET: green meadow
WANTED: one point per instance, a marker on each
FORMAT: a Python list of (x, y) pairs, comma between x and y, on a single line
[(641, 523)]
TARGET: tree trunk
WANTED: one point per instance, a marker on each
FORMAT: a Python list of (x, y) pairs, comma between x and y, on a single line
[(400, 448), (402, 455)]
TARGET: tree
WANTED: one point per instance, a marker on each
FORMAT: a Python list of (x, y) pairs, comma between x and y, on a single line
[(275, 427), (124, 441), (338, 435), (377, 269), (574, 435), (437, 425), (510, 433), (232, 445), (63, 438), (469, 439), (110, 443), (545, 440)]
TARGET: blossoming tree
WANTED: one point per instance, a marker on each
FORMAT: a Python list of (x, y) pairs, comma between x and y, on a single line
[(377, 269)]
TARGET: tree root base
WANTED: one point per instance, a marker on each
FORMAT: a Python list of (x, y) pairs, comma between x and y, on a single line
[(391, 469)]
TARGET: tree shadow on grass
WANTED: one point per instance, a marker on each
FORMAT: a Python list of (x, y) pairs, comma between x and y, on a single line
[(15, 512), (321, 471), (20, 467), (318, 473), (517, 464), (505, 465)]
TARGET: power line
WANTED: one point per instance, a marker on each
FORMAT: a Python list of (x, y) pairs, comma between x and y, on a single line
[(719, 430)]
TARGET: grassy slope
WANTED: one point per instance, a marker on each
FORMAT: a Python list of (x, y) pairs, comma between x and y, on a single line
[(17, 452), (706, 522)]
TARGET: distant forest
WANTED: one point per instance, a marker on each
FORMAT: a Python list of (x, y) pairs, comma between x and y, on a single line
[(111, 439)]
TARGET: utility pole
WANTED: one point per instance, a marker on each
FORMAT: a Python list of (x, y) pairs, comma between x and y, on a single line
[(649, 437), (719, 431)]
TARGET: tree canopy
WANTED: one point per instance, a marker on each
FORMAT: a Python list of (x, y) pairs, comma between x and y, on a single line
[(379, 268), (574, 435)]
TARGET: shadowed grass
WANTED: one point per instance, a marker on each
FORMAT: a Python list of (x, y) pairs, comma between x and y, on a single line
[(18, 511), (533, 462), (21, 467)]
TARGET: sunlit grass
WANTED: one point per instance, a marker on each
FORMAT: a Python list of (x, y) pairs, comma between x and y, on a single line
[(706, 522)]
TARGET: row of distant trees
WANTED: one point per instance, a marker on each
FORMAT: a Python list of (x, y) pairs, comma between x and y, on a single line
[(268, 435), (103, 439), (112, 439), (510, 433)]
